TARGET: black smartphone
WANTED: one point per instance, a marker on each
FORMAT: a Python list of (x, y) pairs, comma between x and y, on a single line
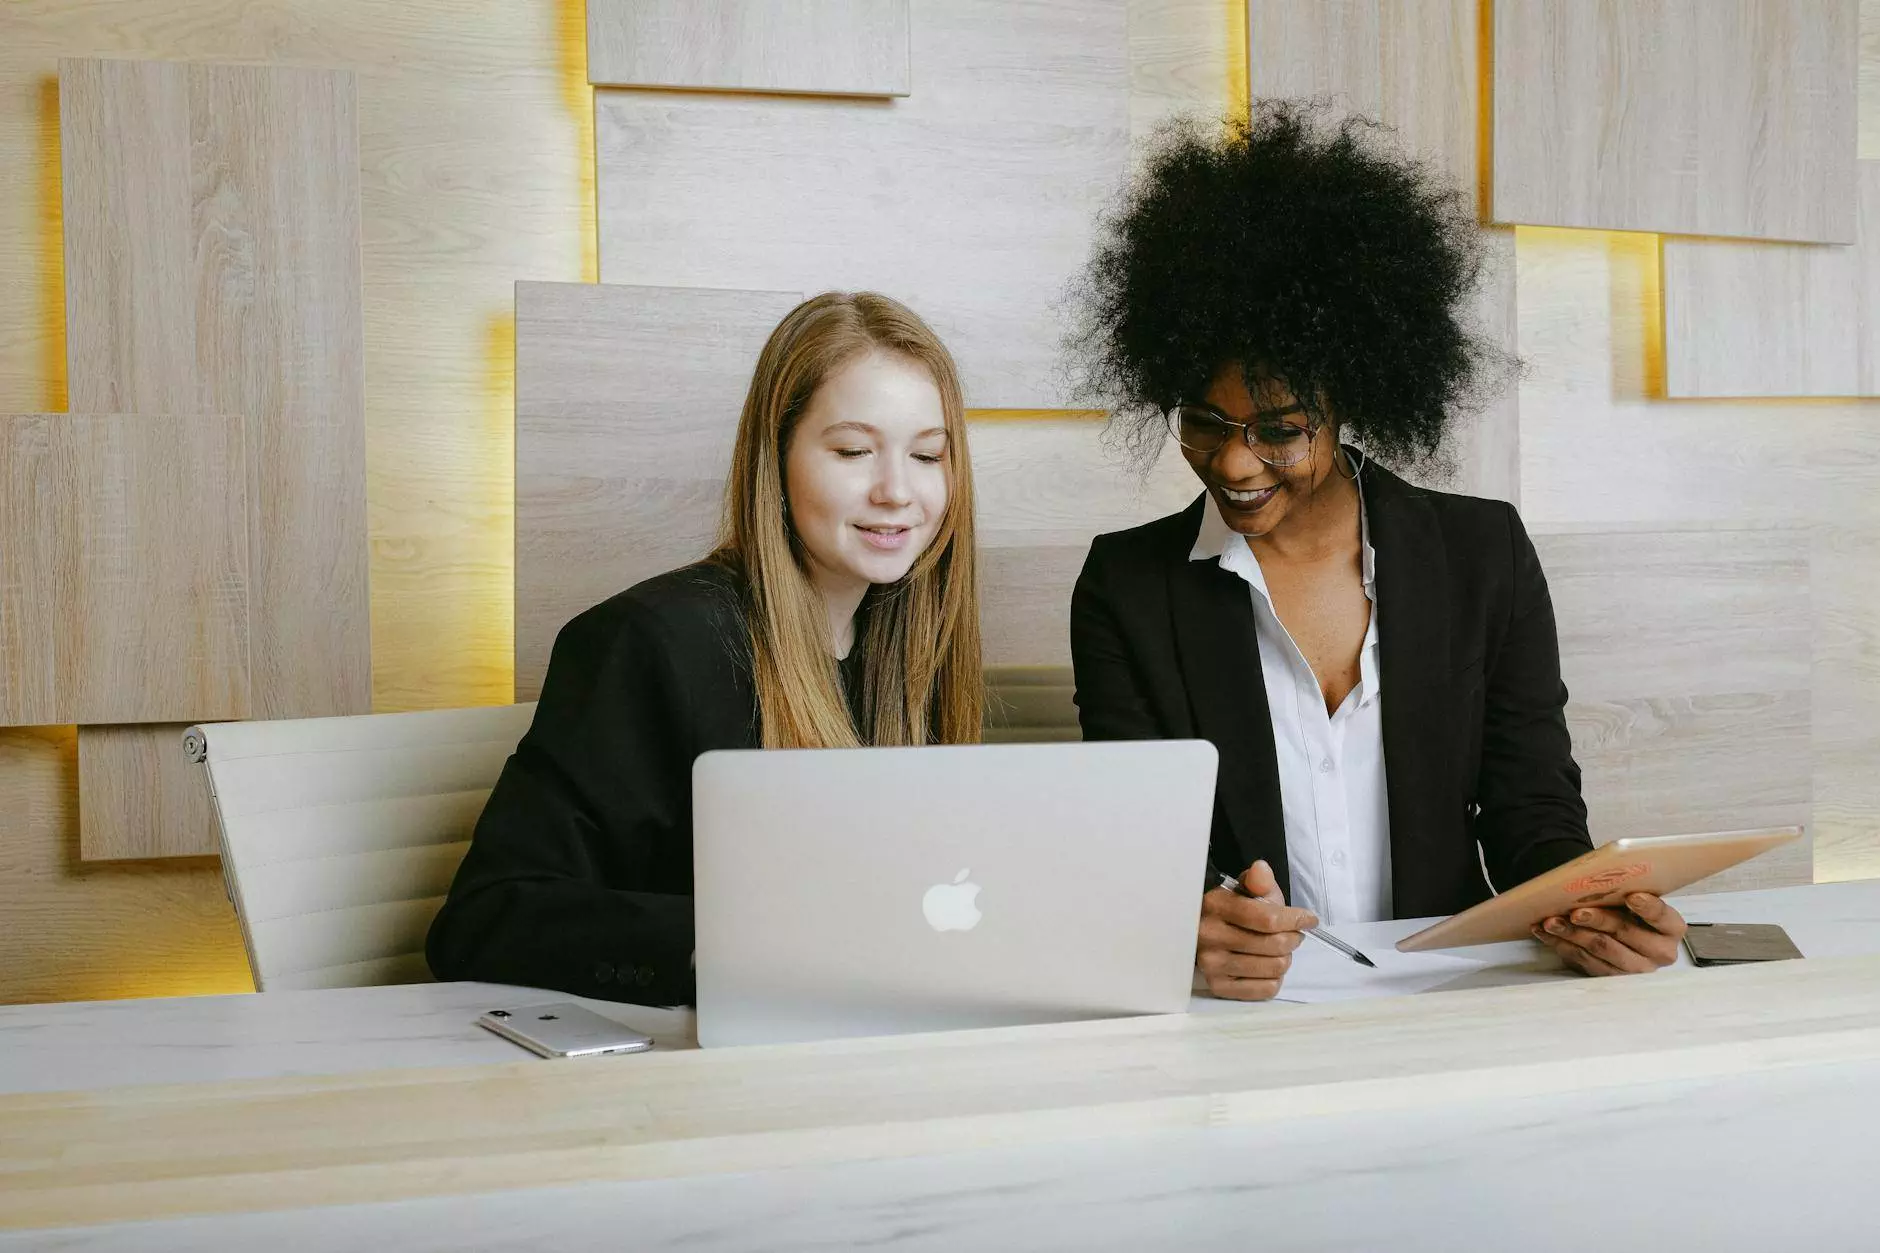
[(1734, 943)]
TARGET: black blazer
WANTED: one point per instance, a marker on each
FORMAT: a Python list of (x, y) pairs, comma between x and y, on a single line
[(1475, 737), (579, 875)]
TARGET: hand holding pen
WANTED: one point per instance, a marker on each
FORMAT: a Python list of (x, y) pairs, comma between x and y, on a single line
[(1248, 935)]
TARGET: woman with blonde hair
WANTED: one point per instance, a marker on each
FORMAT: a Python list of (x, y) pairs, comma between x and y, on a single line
[(839, 609)]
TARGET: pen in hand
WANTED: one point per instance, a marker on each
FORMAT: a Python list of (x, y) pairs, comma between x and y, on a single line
[(1238, 888)]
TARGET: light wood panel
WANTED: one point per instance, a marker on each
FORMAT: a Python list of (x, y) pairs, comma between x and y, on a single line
[(1846, 722), (475, 146), (238, 293), (139, 795), (130, 1153), (1747, 319), (832, 47), (123, 568), (1693, 117), (1601, 451), (627, 402), (1688, 658), (79, 931), (1045, 489), (1603, 454), (1416, 66), (973, 200), (1186, 57)]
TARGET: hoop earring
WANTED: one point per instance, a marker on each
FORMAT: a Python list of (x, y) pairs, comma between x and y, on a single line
[(1357, 469)]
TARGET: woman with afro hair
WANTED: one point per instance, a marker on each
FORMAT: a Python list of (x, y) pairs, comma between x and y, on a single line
[(1376, 662)]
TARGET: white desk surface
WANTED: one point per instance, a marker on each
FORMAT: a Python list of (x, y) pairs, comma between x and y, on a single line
[(95, 1044), (1759, 1157)]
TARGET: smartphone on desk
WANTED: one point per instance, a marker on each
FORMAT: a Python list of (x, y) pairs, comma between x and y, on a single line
[(564, 1029), (1738, 943)]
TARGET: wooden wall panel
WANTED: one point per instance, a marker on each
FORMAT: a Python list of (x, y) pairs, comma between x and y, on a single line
[(246, 286), (123, 569), (1846, 725), (1414, 65), (1688, 656), (240, 295), (832, 47), (1604, 453), (1693, 117), (139, 795), (79, 931), (1185, 57), (1044, 490), (476, 169), (627, 401), (973, 199), (1600, 449), (1748, 319)]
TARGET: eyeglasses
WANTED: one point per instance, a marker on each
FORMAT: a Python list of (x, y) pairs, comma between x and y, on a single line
[(1200, 427)]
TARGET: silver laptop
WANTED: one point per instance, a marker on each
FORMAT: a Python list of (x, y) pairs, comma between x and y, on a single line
[(876, 891)]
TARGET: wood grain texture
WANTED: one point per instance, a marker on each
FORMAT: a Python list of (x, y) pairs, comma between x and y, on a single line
[(243, 296), (475, 168), (249, 302), (1186, 57), (1601, 451), (1693, 117), (1031, 705), (130, 1153), (827, 47), (1846, 722), (80, 931), (124, 577), (1415, 66), (139, 795), (1688, 656), (627, 402), (973, 199), (1748, 319), (1044, 490)]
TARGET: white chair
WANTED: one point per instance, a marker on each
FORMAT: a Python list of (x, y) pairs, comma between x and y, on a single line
[(340, 836), (1030, 705)]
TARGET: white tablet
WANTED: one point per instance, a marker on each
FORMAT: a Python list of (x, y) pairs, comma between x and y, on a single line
[(1656, 864)]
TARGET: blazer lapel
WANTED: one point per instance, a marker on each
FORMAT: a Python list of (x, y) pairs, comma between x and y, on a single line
[(1413, 606), (1219, 654)]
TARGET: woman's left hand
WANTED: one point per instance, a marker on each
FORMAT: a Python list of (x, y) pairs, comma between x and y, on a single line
[(1610, 940)]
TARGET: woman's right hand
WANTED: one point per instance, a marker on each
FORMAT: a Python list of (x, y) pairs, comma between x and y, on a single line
[(1245, 946)]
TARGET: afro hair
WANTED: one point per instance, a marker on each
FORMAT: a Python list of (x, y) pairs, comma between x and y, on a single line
[(1305, 249)]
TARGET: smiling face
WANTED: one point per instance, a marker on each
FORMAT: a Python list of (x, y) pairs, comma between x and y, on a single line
[(1254, 497), (866, 475)]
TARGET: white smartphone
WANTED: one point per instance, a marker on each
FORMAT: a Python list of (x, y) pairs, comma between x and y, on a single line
[(564, 1029)]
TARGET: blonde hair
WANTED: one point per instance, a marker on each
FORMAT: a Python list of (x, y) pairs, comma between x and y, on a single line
[(921, 678)]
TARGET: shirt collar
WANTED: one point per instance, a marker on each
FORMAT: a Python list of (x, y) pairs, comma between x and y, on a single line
[(1216, 540)]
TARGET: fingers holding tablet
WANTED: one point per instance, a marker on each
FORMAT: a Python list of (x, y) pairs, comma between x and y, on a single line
[(1634, 938)]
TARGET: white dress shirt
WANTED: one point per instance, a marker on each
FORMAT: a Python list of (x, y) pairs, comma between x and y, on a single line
[(1331, 766)]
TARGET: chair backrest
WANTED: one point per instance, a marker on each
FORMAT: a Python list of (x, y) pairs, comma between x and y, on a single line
[(340, 836), (1030, 705)]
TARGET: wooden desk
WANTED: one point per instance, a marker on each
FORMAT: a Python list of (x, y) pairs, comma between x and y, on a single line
[(1505, 1113)]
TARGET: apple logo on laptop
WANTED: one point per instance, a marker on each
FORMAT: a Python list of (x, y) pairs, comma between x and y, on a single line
[(950, 907)]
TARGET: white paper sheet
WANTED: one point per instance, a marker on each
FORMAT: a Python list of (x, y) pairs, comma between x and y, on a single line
[(1321, 974)]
